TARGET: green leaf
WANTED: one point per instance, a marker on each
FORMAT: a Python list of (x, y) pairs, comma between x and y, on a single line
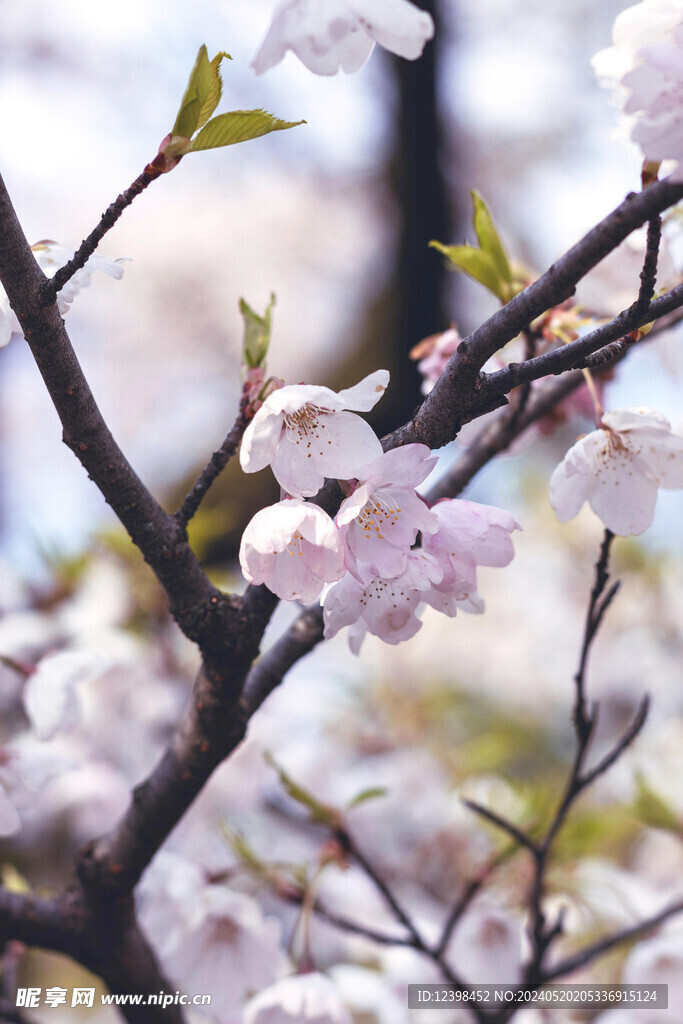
[(488, 237), (653, 810), (215, 90), (202, 94), (475, 263), (238, 126), (366, 794), (320, 813), (256, 333)]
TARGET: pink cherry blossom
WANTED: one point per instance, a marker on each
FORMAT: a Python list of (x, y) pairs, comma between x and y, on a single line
[(469, 535), (327, 35), (434, 353), (299, 999), (294, 548), (304, 433), (617, 470), (383, 516), (385, 608)]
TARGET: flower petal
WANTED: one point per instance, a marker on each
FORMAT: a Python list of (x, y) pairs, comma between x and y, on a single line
[(366, 394), (398, 26), (261, 439)]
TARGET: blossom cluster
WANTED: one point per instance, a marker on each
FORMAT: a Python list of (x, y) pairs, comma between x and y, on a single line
[(380, 578)]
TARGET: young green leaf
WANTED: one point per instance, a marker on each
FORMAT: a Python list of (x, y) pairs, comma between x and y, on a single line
[(653, 810), (238, 126), (201, 95), (488, 237), (215, 91), (476, 264), (365, 795), (256, 333), (320, 813)]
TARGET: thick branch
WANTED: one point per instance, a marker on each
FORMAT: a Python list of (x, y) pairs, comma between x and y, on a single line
[(104, 938), (202, 612)]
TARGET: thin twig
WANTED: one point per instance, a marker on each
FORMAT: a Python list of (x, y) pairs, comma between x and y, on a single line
[(465, 899), (87, 247), (597, 949), (581, 718), (503, 824), (648, 275), (215, 465)]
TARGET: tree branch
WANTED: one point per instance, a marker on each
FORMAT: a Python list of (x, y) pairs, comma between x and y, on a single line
[(455, 394), (216, 465), (49, 288)]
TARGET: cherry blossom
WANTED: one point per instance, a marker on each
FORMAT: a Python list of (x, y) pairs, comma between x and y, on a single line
[(51, 256), (617, 470), (385, 608), (304, 433), (327, 35), (294, 548), (469, 535), (299, 999), (646, 65), (50, 696), (208, 938), (433, 354), (382, 517)]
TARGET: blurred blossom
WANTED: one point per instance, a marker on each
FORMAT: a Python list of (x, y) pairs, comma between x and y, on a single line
[(51, 257), (327, 35), (618, 470), (645, 64), (50, 695), (208, 938), (369, 996), (487, 944), (298, 999), (433, 354)]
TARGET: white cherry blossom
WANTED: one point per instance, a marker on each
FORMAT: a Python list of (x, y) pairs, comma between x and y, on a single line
[(294, 548), (50, 695), (208, 937), (645, 64), (305, 434), (327, 35), (617, 470), (382, 517), (385, 608), (51, 256), (299, 999)]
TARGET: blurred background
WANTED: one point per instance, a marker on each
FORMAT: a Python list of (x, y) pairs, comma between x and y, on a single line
[(335, 218)]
